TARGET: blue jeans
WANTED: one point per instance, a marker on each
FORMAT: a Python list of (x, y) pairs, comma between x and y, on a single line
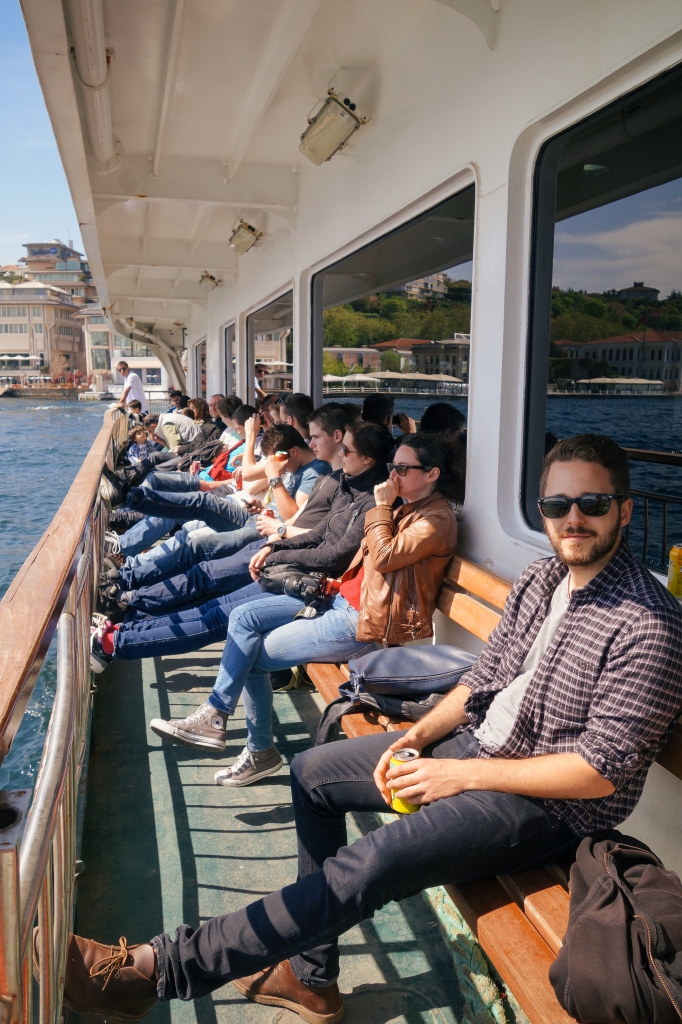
[(143, 534), (180, 482), (197, 585), (180, 632), (263, 637), (220, 514), (164, 548), (453, 840), (198, 546)]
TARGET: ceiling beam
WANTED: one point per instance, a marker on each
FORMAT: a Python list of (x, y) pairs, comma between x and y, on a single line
[(256, 186), (286, 35), (168, 252), (484, 13), (205, 218), (147, 227), (168, 81)]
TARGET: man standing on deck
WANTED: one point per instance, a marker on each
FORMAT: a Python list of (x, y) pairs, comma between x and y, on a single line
[(132, 388), (547, 739)]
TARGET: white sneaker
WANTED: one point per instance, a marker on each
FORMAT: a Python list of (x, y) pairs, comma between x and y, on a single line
[(250, 766)]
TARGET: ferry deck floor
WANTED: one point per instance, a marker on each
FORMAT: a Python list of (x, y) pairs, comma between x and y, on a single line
[(162, 845)]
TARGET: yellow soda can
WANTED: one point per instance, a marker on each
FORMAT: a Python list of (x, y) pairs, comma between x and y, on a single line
[(675, 572), (399, 757)]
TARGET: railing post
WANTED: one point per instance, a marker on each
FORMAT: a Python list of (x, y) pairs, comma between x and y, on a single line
[(13, 807)]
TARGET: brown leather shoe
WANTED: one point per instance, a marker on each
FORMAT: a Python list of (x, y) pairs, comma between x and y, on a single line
[(279, 986), (113, 981)]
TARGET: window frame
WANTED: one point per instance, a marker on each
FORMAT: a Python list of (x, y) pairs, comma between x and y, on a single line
[(541, 270)]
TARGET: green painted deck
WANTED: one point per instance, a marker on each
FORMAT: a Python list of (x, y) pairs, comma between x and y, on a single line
[(163, 845)]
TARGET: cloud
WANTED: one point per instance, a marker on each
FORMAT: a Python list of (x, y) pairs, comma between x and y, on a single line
[(645, 250)]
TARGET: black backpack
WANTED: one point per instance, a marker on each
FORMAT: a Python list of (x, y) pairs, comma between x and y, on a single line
[(621, 961)]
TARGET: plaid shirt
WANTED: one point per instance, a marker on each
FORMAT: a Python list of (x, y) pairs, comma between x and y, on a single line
[(609, 686)]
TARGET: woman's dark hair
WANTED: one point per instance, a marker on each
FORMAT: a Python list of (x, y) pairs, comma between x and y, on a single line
[(597, 448), (372, 440), (437, 452), (441, 417), (200, 407)]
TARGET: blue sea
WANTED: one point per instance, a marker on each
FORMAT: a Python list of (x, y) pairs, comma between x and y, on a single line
[(42, 446)]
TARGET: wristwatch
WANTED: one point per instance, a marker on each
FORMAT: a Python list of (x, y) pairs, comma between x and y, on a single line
[(281, 530), (274, 481)]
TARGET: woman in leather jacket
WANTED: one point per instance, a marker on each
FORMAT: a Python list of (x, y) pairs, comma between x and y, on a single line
[(408, 539)]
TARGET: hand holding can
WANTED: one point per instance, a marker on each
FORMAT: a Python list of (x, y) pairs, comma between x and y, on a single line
[(400, 757)]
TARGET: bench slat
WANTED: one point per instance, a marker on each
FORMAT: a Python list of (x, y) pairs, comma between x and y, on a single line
[(516, 950), (544, 902), (478, 581), (467, 612)]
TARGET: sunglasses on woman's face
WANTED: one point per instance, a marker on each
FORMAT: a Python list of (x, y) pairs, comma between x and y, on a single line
[(402, 469), (589, 504), (348, 451)]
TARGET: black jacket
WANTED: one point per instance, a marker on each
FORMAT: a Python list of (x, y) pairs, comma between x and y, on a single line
[(331, 546), (208, 432)]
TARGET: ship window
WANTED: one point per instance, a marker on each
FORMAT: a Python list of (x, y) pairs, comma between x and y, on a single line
[(381, 292), (200, 369), (229, 360), (607, 212), (278, 316)]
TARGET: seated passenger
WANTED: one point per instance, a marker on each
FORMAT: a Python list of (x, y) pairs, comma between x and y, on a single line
[(157, 584), (555, 729), (387, 596), (446, 419), (334, 543), (181, 496), (207, 428), (298, 411), (141, 445)]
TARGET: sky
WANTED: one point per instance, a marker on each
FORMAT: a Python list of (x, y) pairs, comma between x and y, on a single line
[(35, 203), (633, 239)]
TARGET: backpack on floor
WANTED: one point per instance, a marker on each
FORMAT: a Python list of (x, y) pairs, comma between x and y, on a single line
[(621, 961)]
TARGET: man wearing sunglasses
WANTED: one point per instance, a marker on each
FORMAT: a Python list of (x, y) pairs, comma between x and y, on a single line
[(547, 739)]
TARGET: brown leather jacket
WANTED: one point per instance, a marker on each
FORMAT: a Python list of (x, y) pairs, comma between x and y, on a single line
[(405, 554)]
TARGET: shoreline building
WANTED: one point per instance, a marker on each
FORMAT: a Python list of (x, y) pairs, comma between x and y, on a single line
[(449, 356), (103, 350), (429, 287), (55, 263), (37, 331), (649, 355)]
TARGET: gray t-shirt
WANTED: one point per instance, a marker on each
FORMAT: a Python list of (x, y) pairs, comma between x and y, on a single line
[(498, 723)]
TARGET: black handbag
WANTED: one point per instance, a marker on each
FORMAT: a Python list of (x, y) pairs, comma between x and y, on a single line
[(409, 671)]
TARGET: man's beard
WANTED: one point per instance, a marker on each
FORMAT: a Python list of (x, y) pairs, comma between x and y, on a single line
[(591, 554)]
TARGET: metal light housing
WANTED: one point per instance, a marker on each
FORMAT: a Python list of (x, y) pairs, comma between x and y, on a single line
[(208, 281), (244, 237), (330, 129)]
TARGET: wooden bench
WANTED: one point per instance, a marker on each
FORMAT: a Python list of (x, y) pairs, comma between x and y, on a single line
[(519, 920)]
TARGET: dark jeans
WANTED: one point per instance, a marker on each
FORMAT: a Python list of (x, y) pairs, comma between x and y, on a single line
[(457, 839), (219, 513), (199, 547), (197, 585), (182, 631)]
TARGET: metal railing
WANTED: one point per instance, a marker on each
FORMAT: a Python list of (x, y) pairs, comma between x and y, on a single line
[(38, 868)]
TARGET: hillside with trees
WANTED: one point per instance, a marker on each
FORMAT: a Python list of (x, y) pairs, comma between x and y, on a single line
[(385, 317)]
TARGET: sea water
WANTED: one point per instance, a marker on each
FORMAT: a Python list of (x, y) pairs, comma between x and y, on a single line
[(42, 447)]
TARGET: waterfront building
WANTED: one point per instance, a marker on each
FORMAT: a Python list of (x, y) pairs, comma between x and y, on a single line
[(104, 349), (639, 292), (55, 263), (367, 358), (37, 332), (428, 287), (649, 355), (450, 356)]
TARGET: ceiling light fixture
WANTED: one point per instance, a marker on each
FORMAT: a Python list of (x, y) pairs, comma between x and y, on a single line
[(595, 170), (330, 129), (244, 237), (208, 281)]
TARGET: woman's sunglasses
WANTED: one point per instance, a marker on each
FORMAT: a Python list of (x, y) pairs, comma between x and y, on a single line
[(402, 470), (589, 504)]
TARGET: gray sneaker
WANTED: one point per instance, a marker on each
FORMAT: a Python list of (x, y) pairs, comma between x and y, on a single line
[(250, 766), (206, 727)]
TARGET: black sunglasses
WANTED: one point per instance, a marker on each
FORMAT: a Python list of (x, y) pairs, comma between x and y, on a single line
[(589, 504), (402, 469)]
